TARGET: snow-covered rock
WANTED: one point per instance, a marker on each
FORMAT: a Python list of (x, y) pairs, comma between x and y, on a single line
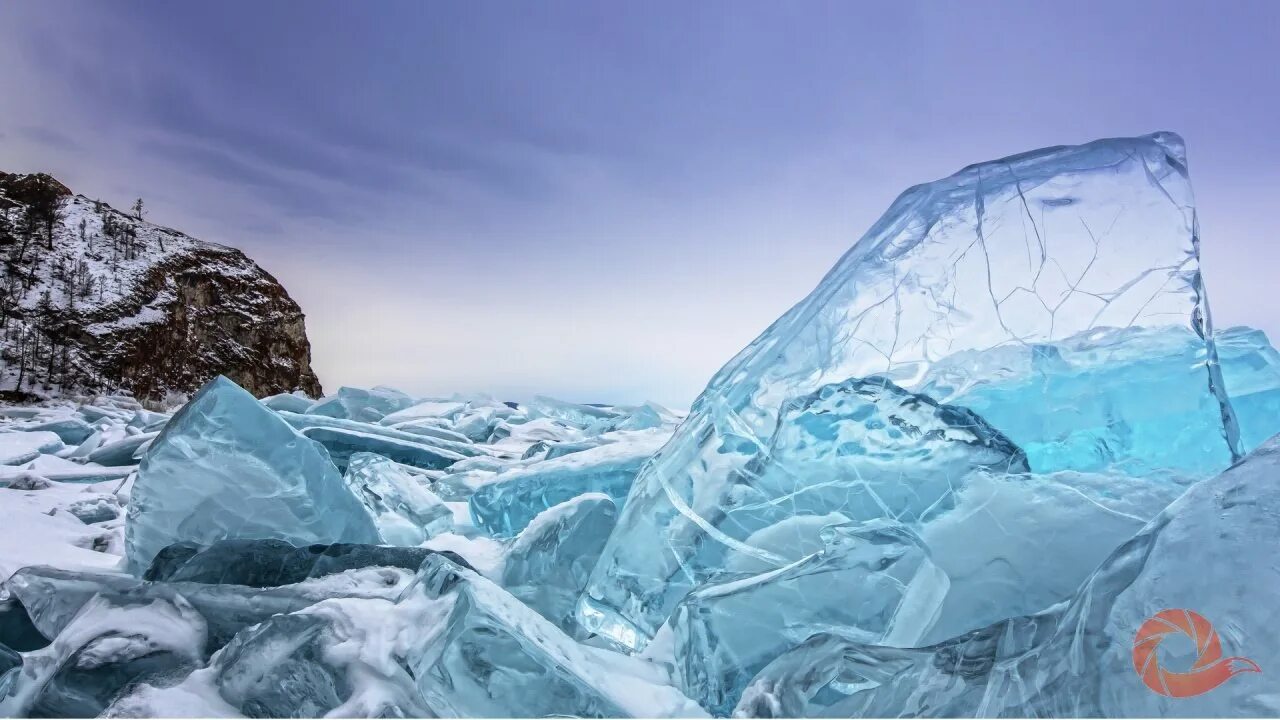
[(92, 297)]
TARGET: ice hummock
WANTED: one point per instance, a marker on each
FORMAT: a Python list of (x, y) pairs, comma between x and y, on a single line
[(1024, 251), (226, 467)]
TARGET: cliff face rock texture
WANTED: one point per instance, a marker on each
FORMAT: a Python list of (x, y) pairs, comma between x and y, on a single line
[(96, 299)]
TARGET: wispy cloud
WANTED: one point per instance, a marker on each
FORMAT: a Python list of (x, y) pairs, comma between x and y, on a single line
[(591, 199)]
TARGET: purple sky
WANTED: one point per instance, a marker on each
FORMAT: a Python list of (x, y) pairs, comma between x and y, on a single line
[(605, 201)]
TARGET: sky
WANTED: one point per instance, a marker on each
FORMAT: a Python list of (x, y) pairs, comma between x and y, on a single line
[(606, 201)]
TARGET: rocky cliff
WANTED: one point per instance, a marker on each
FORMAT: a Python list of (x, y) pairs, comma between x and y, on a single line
[(93, 298)]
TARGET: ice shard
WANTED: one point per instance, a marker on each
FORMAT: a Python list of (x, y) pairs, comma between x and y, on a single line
[(1027, 250), (17, 448), (1251, 375), (121, 452), (111, 643), (10, 667), (405, 511), (227, 467), (290, 666), (362, 405), (493, 657), (342, 444), (1211, 552), (581, 416), (296, 402), (272, 563), (452, 644), (548, 564), (72, 430), (874, 580), (53, 598), (418, 448), (505, 503)]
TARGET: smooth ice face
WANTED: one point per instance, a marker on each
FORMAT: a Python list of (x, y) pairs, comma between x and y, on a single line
[(873, 580), (405, 511), (1016, 544), (548, 565), (507, 502), (441, 446), (1031, 249), (342, 444), (1130, 400), (1212, 552), (227, 467)]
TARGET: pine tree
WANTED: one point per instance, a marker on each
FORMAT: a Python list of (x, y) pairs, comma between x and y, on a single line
[(137, 208)]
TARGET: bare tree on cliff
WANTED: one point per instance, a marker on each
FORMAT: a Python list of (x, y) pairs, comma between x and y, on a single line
[(26, 231), (22, 354), (45, 207), (45, 320)]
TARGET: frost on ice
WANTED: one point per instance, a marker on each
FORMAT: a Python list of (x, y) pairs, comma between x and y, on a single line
[(953, 480)]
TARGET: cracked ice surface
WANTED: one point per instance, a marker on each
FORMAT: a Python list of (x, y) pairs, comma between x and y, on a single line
[(1016, 253), (1076, 659)]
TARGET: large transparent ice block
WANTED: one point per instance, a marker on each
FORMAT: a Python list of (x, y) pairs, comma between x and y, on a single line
[(1027, 250)]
